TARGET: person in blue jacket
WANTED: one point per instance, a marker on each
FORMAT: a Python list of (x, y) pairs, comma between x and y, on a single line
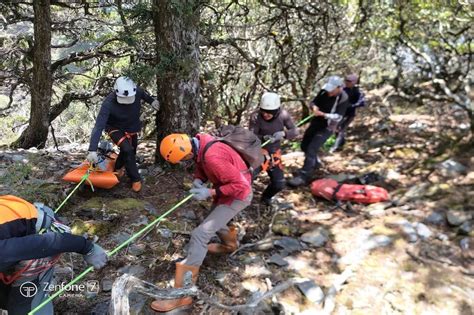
[(119, 116), (31, 240), (356, 100)]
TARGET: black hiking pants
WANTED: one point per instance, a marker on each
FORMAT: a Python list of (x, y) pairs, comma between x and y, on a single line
[(127, 142)]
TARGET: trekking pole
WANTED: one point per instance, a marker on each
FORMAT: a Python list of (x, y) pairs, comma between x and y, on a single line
[(297, 125), (111, 253)]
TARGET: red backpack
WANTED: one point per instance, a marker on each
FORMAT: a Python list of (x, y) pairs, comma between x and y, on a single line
[(330, 189)]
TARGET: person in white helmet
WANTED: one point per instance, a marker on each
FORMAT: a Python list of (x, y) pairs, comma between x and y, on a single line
[(119, 116), (273, 124), (328, 108)]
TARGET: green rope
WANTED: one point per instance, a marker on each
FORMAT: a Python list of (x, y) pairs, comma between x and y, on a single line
[(84, 178), (297, 125), (128, 241), (111, 253)]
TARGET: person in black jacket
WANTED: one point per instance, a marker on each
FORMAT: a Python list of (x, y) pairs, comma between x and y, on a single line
[(328, 108), (31, 240), (356, 100), (119, 116)]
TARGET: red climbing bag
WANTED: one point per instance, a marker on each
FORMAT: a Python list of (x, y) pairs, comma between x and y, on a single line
[(330, 189)]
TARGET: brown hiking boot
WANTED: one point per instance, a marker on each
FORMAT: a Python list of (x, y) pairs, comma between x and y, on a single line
[(137, 186), (229, 242), (181, 303)]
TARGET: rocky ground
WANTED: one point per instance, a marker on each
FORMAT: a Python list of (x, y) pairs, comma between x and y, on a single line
[(412, 255)]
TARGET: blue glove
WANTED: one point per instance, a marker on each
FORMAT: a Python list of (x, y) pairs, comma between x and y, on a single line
[(45, 217), (201, 193), (96, 257)]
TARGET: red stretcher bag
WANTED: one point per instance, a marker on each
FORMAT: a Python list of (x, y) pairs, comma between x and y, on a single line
[(331, 190)]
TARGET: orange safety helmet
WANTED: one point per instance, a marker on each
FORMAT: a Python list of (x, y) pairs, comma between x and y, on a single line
[(175, 147)]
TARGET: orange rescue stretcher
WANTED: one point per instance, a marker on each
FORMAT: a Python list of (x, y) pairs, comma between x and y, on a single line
[(101, 178)]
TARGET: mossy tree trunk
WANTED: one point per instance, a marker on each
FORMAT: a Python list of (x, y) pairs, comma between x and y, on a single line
[(36, 134), (177, 60)]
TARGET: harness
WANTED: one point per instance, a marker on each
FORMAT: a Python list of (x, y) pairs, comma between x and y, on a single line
[(127, 135), (32, 267), (271, 160), (29, 268)]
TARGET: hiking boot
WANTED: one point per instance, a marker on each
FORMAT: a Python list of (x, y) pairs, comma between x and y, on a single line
[(297, 181), (229, 242), (137, 186), (181, 303)]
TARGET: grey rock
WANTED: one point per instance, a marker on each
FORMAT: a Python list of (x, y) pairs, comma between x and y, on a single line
[(106, 285), (376, 241), (278, 260), (442, 237), (452, 168), (19, 159), (101, 308), (466, 227), (136, 270), (121, 237), (142, 220), (189, 214), (136, 249), (138, 304), (436, 218), (409, 230), (311, 291), (151, 209), (317, 237), (415, 192), (464, 243), (423, 231), (457, 217), (289, 244), (221, 277), (164, 232)]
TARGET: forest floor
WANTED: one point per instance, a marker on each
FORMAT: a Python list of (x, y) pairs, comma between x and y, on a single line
[(412, 255)]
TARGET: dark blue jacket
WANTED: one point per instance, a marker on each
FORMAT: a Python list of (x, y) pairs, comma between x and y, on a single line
[(19, 240), (356, 99), (124, 117)]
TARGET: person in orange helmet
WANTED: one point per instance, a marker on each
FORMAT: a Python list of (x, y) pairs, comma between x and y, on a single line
[(31, 242), (231, 192)]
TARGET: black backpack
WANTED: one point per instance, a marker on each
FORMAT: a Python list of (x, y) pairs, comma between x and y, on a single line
[(242, 140)]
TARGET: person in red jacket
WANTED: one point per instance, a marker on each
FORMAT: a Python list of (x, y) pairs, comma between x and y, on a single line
[(231, 191)]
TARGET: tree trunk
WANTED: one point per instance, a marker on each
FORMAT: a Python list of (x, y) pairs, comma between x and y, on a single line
[(36, 134), (177, 61)]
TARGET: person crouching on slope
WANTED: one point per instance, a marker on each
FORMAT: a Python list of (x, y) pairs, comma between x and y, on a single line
[(31, 240), (221, 165)]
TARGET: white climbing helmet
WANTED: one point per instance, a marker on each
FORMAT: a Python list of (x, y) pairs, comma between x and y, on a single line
[(125, 89), (270, 101)]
